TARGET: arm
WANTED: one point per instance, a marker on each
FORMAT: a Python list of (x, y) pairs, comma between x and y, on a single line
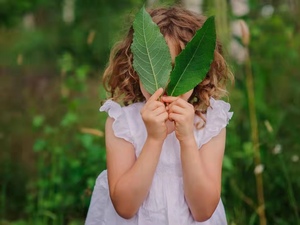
[(202, 175), (130, 178), (201, 168)]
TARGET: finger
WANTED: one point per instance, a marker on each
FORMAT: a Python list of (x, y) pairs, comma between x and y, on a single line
[(175, 117), (174, 100), (153, 104), (156, 94), (177, 109), (164, 116), (181, 103), (169, 99), (159, 110)]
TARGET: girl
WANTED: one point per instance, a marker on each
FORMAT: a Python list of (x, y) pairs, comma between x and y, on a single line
[(164, 154)]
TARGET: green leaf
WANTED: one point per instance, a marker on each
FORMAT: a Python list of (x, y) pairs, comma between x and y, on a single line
[(193, 63), (38, 121), (151, 56), (69, 119), (39, 145)]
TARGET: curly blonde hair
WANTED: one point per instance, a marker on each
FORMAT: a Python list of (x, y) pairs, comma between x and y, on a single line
[(179, 24)]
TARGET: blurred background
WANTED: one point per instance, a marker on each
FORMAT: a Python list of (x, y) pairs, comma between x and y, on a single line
[(52, 55)]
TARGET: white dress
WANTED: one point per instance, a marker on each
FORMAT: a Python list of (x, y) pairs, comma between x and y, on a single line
[(165, 203)]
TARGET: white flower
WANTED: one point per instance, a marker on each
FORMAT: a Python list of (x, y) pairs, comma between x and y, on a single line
[(267, 11), (240, 7), (238, 52), (240, 29), (259, 169), (295, 158), (277, 149)]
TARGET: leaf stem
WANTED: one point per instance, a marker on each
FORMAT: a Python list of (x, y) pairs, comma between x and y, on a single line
[(255, 140)]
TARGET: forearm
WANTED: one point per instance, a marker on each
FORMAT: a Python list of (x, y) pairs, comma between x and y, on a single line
[(132, 188), (201, 191)]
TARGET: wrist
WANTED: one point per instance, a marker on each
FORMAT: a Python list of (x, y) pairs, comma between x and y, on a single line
[(154, 141), (188, 143)]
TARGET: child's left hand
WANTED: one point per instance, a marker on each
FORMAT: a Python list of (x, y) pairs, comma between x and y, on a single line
[(182, 113)]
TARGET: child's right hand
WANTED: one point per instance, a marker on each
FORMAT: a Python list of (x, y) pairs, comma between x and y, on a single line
[(154, 115)]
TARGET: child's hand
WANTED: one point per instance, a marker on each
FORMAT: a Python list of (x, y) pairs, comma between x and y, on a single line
[(154, 115), (182, 113)]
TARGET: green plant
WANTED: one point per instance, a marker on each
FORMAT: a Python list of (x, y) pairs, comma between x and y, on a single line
[(68, 156)]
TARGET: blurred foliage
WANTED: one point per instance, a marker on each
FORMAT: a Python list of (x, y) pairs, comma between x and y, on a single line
[(51, 141)]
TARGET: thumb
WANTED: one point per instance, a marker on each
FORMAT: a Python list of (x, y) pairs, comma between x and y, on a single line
[(156, 94)]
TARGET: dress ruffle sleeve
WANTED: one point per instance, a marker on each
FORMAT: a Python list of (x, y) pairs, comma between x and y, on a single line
[(217, 117), (120, 125)]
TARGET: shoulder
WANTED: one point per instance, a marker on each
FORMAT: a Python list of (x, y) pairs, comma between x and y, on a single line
[(114, 108), (122, 120), (216, 118), (218, 112), (133, 109)]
